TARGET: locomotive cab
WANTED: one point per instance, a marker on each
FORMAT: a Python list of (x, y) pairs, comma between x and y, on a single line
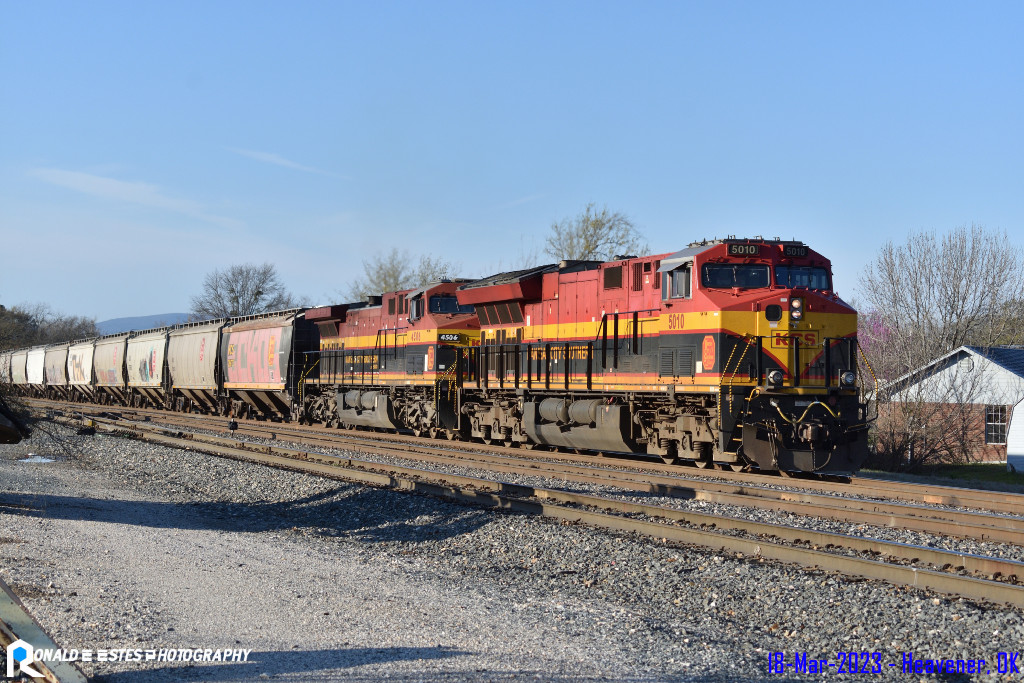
[(782, 346)]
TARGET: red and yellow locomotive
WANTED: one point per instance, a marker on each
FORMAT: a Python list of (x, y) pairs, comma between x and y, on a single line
[(383, 362), (733, 352)]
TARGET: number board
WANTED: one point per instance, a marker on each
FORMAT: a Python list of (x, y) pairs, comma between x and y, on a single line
[(794, 251), (744, 250), (448, 337)]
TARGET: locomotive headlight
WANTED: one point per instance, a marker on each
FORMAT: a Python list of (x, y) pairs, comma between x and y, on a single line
[(775, 376), (848, 378), (796, 309)]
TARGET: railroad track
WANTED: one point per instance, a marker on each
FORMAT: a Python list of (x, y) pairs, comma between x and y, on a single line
[(963, 524), (980, 526), (862, 488), (977, 577)]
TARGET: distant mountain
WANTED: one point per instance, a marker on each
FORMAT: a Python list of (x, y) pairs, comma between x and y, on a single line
[(142, 322)]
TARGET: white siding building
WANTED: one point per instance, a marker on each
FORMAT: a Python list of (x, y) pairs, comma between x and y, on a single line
[(991, 378)]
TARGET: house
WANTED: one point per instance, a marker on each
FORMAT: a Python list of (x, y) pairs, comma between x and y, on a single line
[(967, 394)]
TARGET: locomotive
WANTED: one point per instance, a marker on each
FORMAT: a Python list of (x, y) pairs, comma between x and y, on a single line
[(396, 361), (732, 352), (735, 353)]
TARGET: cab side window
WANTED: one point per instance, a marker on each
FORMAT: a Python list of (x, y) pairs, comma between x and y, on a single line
[(416, 308), (676, 284)]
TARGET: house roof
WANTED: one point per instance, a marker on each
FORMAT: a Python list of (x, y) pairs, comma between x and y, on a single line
[(1008, 357)]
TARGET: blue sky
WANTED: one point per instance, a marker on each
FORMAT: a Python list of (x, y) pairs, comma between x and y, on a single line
[(144, 144)]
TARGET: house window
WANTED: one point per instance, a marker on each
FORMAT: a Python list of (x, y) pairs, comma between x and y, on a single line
[(995, 424)]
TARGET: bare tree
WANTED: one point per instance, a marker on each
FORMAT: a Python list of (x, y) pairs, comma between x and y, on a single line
[(937, 292), (30, 324), (62, 328), (594, 234), (242, 289), (925, 298), (394, 270)]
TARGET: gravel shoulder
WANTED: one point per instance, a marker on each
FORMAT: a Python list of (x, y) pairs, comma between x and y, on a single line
[(122, 544)]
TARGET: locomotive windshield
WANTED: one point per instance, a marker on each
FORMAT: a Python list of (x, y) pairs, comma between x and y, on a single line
[(729, 275), (448, 304), (801, 276)]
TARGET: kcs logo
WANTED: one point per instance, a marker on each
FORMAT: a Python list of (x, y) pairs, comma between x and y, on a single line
[(784, 340)]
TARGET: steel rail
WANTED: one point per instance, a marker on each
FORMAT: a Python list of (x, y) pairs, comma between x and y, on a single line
[(907, 492), (531, 499)]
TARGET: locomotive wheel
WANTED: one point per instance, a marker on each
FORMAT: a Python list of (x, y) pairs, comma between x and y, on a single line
[(433, 432), (705, 456), (670, 459)]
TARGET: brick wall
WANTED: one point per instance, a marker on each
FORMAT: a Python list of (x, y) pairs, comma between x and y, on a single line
[(947, 424)]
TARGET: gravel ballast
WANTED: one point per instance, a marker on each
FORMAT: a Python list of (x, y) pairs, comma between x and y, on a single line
[(122, 544), (1005, 551)]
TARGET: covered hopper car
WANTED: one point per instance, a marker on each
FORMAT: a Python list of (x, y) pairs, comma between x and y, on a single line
[(246, 366)]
